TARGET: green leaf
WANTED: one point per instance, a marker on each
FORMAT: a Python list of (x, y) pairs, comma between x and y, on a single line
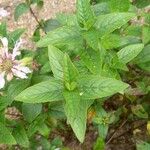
[(92, 38), (6, 136), (15, 35), (119, 5), (20, 135), (144, 56), (133, 30), (111, 41), (141, 3), (143, 146), (43, 129), (145, 66), (60, 36), (51, 24), (67, 19), (129, 52), (16, 87), (36, 35), (41, 56), (3, 29), (36, 78), (4, 102), (56, 61), (70, 73), (46, 91), (20, 9), (92, 60), (76, 112), (46, 68), (94, 86), (36, 125), (56, 110), (110, 22), (85, 15), (101, 8), (145, 34), (31, 111)]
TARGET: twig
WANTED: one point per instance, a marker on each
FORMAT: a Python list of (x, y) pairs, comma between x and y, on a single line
[(37, 20), (130, 129), (110, 139)]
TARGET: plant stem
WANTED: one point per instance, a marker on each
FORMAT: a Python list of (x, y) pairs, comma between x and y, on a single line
[(37, 20)]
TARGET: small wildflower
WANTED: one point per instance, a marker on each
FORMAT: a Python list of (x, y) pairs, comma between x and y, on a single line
[(9, 66)]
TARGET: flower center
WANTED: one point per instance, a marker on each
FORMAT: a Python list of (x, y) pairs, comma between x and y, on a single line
[(6, 65)]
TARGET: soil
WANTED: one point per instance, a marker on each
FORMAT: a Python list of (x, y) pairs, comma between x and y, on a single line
[(27, 21)]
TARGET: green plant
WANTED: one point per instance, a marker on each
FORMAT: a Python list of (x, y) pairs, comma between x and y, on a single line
[(82, 61)]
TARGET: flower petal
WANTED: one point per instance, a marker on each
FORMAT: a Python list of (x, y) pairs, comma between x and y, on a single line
[(19, 74), (4, 50), (16, 50), (2, 80), (22, 68), (9, 76)]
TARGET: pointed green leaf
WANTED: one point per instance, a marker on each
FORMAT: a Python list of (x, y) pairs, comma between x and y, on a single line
[(56, 61), (76, 112), (101, 8), (92, 38), (119, 5), (46, 68), (85, 15), (110, 22), (3, 29), (20, 135), (144, 56), (94, 86), (6, 136), (31, 111), (141, 3), (20, 10), (143, 146), (129, 52), (93, 60), (16, 87), (67, 19), (146, 34), (46, 91), (60, 36), (70, 73), (4, 102), (15, 35)]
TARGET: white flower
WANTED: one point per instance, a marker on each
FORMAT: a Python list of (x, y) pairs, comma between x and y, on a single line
[(4, 13), (9, 66)]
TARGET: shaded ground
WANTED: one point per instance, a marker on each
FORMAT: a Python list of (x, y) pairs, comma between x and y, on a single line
[(122, 136)]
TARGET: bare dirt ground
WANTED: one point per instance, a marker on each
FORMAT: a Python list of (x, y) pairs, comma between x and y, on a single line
[(27, 21)]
